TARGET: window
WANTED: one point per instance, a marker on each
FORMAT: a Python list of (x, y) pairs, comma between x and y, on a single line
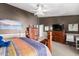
[(46, 28), (73, 27)]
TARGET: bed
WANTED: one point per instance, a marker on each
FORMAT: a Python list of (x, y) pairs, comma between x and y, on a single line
[(22, 46)]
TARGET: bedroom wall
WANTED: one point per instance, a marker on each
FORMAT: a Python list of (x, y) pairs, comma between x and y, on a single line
[(60, 20), (13, 13)]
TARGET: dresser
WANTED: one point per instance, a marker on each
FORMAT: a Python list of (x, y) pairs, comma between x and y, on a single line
[(58, 36)]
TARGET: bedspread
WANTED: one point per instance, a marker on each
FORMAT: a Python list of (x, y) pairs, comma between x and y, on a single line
[(23, 46)]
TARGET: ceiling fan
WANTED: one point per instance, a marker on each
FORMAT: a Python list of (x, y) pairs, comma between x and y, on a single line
[(40, 10)]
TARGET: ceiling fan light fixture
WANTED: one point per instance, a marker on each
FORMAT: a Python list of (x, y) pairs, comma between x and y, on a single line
[(40, 13)]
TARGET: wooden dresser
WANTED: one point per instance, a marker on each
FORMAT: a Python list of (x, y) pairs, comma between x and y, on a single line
[(58, 36)]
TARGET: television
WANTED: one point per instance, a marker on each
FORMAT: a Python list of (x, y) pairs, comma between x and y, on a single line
[(58, 27)]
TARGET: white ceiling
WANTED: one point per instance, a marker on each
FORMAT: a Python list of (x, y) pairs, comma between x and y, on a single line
[(55, 9)]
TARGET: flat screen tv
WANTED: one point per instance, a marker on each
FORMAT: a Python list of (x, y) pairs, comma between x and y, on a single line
[(58, 27)]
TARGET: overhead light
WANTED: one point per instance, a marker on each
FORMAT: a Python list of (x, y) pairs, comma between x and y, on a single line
[(39, 11)]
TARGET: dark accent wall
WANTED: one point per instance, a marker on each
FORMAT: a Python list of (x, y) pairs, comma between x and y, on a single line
[(13, 13), (60, 20)]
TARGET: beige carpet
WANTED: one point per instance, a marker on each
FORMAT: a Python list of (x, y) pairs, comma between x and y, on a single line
[(64, 50)]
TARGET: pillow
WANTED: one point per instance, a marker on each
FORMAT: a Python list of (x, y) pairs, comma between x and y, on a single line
[(1, 38)]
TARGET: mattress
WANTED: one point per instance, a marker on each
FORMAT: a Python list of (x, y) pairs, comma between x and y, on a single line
[(22, 46)]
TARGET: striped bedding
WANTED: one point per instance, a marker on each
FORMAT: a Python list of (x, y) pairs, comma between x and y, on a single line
[(24, 47)]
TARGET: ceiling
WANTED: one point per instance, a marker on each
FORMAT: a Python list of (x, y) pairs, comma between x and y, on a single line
[(54, 9)]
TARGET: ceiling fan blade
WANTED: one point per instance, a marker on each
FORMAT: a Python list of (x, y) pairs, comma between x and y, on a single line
[(45, 10)]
